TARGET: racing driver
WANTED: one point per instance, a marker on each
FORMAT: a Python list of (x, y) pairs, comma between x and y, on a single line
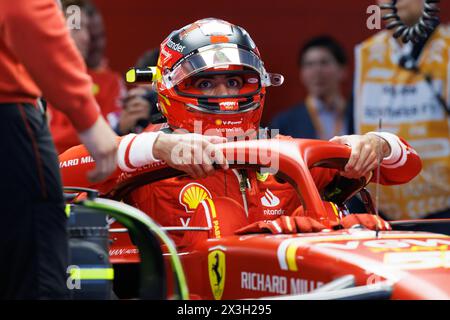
[(211, 80)]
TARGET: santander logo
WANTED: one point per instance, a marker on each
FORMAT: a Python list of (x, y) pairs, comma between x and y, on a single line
[(269, 199)]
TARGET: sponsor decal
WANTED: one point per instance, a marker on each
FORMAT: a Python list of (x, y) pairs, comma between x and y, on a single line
[(216, 269), (165, 54), (191, 196), (287, 249), (210, 210), (87, 159), (220, 122), (252, 80), (417, 260), (274, 212), (122, 252), (232, 123), (269, 199), (275, 284), (175, 46), (229, 105), (75, 162), (69, 163), (392, 245)]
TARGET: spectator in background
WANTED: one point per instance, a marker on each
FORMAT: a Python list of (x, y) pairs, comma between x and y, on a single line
[(140, 105), (322, 66), (324, 114), (108, 87), (391, 84)]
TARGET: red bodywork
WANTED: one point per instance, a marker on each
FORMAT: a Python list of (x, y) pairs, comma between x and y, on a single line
[(261, 265)]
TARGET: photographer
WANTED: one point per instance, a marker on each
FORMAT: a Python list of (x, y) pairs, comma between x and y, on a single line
[(140, 104)]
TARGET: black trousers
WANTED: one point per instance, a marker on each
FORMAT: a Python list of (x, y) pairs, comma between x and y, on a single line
[(33, 234)]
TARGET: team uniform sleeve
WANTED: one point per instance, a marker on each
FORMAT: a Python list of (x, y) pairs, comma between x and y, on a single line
[(401, 166), (35, 31), (134, 151)]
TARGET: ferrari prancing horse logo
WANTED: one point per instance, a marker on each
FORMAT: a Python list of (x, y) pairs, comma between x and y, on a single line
[(216, 269)]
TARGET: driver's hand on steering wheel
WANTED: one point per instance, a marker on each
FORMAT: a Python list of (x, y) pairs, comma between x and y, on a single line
[(192, 153), (368, 151)]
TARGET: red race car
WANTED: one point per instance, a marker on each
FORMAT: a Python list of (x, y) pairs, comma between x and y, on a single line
[(360, 263)]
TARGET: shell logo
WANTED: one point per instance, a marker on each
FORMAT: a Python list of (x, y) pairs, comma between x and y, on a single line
[(218, 122), (191, 196)]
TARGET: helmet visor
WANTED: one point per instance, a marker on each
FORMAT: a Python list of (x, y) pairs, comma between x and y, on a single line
[(220, 83), (216, 57)]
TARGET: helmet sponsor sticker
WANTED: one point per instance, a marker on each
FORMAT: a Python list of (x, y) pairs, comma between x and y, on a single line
[(252, 80), (175, 46), (220, 122), (229, 105)]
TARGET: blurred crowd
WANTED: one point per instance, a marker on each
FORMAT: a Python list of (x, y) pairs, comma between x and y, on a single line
[(391, 81)]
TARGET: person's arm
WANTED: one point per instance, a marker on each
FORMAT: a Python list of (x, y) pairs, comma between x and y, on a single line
[(133, 151), (400, 162), (36, 33), (137, 151), (401, 165)]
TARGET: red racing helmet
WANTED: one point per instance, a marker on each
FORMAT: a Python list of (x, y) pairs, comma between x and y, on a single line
[(195, 63)]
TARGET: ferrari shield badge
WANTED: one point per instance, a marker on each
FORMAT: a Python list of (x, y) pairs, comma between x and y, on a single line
[(216, 269)]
